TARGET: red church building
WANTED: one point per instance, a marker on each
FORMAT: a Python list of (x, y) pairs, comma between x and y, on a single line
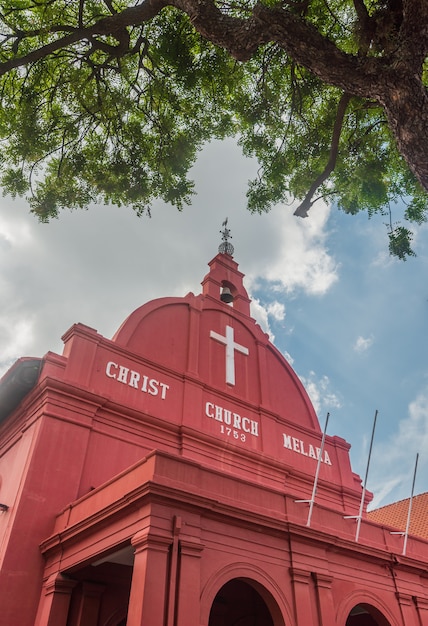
[(165, 477)]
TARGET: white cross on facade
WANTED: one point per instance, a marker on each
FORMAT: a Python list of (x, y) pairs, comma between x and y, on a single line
[(231, 346)]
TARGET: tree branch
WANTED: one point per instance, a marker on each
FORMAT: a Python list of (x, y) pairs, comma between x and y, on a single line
[(406, 104), (414, 31), (366, 27), (241, 37), (303, 208), (361, 11), (109, 25), (393, 78)]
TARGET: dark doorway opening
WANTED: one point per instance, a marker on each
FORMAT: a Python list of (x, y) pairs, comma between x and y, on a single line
[(366, 615), (101, 594), (239, 604)]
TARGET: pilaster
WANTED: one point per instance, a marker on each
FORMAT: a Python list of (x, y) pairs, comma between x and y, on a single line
[(301, 580), (148, 596), (190, 583), (422, 610), (325, 600), (55, 601), (407, 608)]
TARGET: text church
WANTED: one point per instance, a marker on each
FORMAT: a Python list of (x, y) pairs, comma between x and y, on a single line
[(165, 477)]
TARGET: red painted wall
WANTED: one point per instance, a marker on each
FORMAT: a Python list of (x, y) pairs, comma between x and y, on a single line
[(236, 437)]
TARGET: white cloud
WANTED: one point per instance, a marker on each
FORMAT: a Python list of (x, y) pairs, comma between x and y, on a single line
[(362, 344), (319, 390), (14, 339), (299, 260), (97, 266), (261, 314), (15, 231), (288, 356), (277, 311), (393, 460)]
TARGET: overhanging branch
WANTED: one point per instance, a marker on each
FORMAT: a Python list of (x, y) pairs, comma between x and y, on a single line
[(113, 25), (303, 208)]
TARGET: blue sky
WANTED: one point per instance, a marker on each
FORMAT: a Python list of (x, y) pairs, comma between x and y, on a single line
[(352, 321), (362, 346)]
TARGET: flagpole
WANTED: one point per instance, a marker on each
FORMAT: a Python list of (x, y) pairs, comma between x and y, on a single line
[(360, 513), (363, 495), (314, 488), (410, 506)]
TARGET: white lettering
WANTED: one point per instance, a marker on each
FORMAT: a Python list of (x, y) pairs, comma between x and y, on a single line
[(164, 388), (287, 441), (209, 408), (126, 376), (134, 379), (219, 414), (123, 374), (234, 421), (254, 428), (153, 387), (109, 367), (246, 424), (305, 449)]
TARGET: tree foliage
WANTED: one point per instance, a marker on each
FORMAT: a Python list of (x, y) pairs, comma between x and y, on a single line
[(111, 100)]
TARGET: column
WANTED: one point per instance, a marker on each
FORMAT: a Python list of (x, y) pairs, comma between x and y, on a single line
[(55, 601), (407, 608), (422, 610), (301, 580), (265, 397), (325, 600), (147, 599), (189, 591), (194, 336)]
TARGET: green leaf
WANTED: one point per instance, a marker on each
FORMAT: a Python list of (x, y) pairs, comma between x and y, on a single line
[(400, 243), (120, 115)]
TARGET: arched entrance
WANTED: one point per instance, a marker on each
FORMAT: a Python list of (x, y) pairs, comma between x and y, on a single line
[(238, 603), (366, 615)]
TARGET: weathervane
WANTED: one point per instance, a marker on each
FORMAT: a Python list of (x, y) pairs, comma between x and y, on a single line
[(225, 247)]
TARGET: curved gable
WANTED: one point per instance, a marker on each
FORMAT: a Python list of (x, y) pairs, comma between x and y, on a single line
[(219, 345)]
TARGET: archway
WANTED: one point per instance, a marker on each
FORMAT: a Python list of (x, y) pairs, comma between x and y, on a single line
[(238, 603), (366, 615)]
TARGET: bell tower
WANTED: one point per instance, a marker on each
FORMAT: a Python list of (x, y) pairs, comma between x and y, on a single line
[(224, 281)]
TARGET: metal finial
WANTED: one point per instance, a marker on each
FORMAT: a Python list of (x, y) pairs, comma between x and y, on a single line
[(225, 247)]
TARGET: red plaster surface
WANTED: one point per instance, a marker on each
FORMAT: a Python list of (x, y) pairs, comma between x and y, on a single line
[(141, 482)]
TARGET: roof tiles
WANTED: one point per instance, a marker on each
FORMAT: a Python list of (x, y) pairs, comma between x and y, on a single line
[(395, 515)]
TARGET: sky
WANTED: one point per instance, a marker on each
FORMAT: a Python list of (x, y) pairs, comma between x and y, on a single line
[(352, 321)]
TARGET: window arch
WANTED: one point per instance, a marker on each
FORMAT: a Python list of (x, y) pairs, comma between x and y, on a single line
[(366, 615), (239, 603)]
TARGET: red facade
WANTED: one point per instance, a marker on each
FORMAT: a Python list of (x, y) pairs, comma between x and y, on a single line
[(156, 479)]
